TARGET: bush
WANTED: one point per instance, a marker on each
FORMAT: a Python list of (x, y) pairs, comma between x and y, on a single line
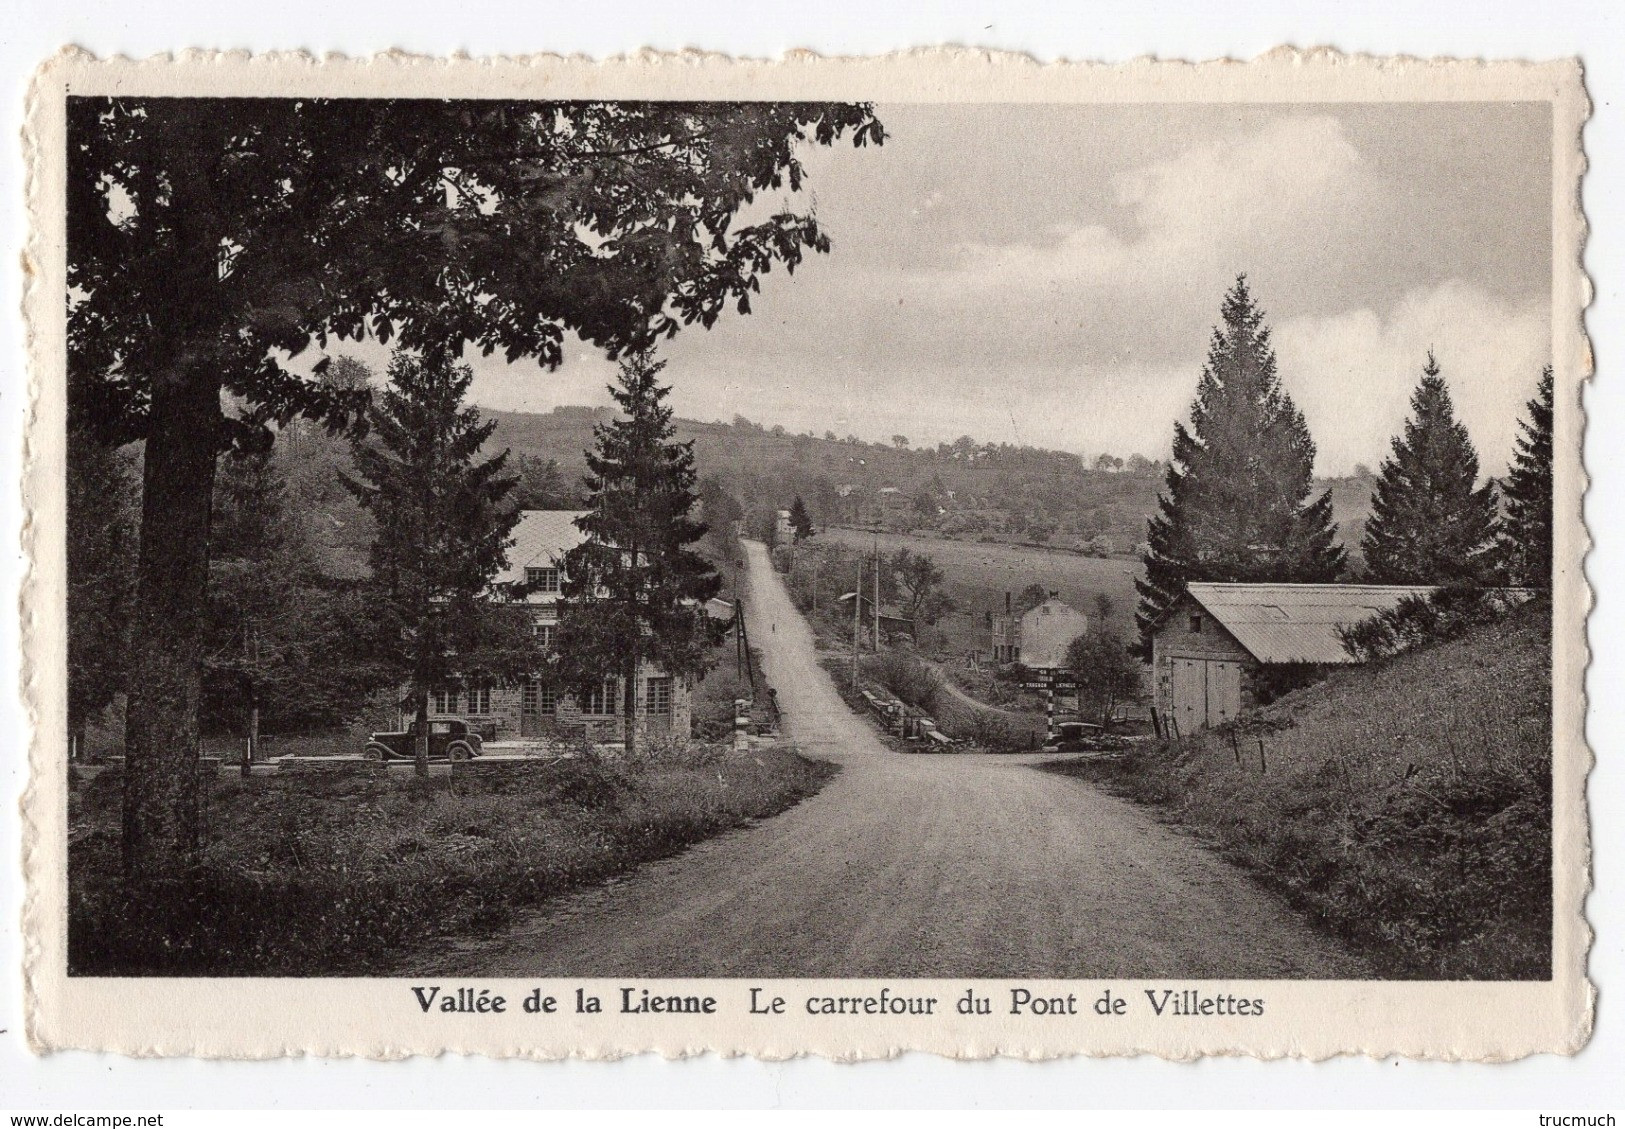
[(1447, 613), (906, 678)]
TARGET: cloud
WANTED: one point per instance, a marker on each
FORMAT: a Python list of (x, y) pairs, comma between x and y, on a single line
[(1212, 205), (1353, 373)]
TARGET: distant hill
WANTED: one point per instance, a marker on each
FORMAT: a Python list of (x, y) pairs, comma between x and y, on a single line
[(965, 489)]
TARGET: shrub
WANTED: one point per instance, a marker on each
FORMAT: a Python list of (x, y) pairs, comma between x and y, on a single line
[(907, 678)]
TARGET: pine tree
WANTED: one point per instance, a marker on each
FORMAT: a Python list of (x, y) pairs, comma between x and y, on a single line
[(1528, 528), (443, 534), (1238, 503), (1431, 523), (634, 590), (800, 520)]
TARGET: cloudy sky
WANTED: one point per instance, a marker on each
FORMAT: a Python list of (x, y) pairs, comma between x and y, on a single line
[(1050, 275)]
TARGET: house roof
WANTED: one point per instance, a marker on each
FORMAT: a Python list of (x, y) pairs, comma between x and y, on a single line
[(1297, 623), (540, 539)]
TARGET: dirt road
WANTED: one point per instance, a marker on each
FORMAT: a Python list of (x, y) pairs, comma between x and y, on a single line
[(916, 865)]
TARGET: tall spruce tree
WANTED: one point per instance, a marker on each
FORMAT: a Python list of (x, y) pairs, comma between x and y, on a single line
[(800, 520), (444, 528), (634, 590), (1528, 527), (1431, 523), (1238, 504)]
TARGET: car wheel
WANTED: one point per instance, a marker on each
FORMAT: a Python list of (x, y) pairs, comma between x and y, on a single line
[(376, 752), (459, 751)]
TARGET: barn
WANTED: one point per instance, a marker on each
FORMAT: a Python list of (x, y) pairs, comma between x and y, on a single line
[(1225, 646)]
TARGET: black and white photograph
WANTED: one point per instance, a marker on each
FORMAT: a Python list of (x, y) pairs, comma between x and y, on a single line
[(662, 541)]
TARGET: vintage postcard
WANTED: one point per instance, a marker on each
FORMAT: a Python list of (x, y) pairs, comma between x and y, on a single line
[(545, 557)]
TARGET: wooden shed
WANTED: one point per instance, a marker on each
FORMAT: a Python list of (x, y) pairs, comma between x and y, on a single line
[(1215, 649)]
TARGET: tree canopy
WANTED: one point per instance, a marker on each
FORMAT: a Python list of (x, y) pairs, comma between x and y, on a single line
[(1238, 503), (1528, 527), (634, 590), (210, 241), (443, 529), (1431, 522)]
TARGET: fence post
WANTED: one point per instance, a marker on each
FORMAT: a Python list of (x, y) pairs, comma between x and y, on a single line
[(1263, 764)]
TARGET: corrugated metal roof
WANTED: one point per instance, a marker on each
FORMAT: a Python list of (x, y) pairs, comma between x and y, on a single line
[(539, 540), (1297, 623)]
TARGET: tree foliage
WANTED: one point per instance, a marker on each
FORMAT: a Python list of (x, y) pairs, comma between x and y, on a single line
[(1104, 671), (278, 634), (800, 520), (918, 583), (634, 590), (1431, 523), (1238, 503), (1528, 526), (208, 240), (444, 526), (541, 485), (103, 514)]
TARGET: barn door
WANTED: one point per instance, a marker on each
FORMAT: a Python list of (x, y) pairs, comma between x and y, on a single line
[(1190, 695), (1223, 692)]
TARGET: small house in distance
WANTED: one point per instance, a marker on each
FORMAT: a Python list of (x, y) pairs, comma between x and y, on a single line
[(1048, 630), (1038, 638), (1217, 649)]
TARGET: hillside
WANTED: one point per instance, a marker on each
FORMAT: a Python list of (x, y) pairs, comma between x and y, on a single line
[(1406, 806), (965, 489)]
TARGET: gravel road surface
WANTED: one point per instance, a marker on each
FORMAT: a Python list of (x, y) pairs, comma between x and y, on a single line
[(915, 865)]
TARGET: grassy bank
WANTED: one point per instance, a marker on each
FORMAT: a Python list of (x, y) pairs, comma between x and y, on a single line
[(306, 875), (1406, 807)]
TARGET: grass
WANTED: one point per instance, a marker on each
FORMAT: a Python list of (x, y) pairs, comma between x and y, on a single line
[(979, 574), (318, 875), (1407, 806)]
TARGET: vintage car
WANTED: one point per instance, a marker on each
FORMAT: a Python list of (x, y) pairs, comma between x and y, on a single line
[(450, 738), (1074, 737)]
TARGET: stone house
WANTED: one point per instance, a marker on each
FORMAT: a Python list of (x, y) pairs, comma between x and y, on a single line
[(1038, 638), (1226, 647), (531, 710)]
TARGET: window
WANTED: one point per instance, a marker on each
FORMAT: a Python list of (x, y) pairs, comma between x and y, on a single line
[(1196, 625), (479, 700), (602, 700), (538, 699), (657, 697), (443, 701), (439, 728), (543, 632), (542, 579)]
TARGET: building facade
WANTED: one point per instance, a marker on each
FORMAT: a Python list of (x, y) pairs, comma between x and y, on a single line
[(530, 710)]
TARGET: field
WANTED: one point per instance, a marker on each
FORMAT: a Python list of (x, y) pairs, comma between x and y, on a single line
[(979, 574), (1405, 806)]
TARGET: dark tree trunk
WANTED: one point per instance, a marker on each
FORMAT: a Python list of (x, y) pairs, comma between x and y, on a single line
[(420, 752), (161, 729), (629, 705)]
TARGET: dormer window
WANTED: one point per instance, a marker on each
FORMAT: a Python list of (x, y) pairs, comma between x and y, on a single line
[(545, 580)]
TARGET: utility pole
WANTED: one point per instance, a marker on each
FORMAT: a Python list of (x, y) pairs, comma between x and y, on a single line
[(877, 596), (877, 584), (857, 611)]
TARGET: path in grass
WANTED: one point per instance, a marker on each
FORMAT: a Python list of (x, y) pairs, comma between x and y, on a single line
[(916, 865)]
